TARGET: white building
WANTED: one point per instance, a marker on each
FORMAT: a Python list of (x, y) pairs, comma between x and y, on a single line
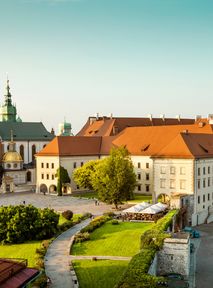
[(173, 161)]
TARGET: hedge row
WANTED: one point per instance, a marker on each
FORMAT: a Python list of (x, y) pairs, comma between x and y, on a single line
[(84, 234), (151, 241)]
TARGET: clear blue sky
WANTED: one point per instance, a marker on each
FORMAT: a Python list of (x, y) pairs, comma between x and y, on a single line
[(73, 58)]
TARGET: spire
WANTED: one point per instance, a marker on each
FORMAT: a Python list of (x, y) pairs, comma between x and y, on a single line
[(12, 144), (7, 95), (11, 135)]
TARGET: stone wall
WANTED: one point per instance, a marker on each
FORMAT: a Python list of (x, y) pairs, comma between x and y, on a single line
[(175, 256)]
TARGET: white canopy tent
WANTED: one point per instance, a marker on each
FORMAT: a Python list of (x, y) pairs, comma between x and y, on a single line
[(137, 208)]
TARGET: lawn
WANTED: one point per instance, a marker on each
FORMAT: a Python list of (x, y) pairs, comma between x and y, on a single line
[(138, 198), (115, 240), (101, 273), (62, 219), (26, 250)]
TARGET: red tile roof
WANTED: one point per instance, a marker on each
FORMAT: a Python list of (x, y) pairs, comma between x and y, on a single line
[(106, 126)]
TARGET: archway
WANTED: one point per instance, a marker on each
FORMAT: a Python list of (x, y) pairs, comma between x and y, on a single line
[(43, 188), (163, 198), (29, 176), (52, 189)]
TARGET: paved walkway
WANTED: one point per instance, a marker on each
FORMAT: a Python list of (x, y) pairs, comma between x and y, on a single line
[(82, 257), (57, 259)]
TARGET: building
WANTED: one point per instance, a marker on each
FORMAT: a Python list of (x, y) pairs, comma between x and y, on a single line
[(30, 137), (111, 126), (174, 163)]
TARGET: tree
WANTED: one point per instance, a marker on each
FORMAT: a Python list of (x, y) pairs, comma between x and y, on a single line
[(114, 179), (83, 175), (63, 177)]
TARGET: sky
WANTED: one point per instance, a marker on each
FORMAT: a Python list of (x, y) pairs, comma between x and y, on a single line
[(71, 59)]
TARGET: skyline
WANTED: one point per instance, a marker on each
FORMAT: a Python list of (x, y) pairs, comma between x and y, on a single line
[(129, 58)]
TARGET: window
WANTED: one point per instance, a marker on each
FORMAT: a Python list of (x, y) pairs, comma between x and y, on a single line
[(209, 181), (53, 176), (139, 176), (204, 198), (204, 170), (77, 187), (163, 170), (15, 165), (172, 184), (147, 165), (208, 196), (198, 183), (8, 165), (139, 165), (182, 171), (42, 165), (82, 163), (183, 184), (33, 152), (74, 165), (21, 151), (147, 188), (42, 176), (198, 199), (209, 170), (172, 170), (29, 176), (198, 171), (52, 166), (47, 176), (139, 187), (204, 183), (162, 183), (147, 176), (47, 165)]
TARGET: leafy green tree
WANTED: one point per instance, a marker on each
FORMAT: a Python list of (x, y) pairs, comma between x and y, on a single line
[(83, 175), (114, 179), (62, 178)]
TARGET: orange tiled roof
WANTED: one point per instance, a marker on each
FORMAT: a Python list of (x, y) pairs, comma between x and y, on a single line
[(156, 141), (106, 126)]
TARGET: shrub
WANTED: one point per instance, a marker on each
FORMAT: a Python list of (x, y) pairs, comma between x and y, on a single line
[(114, 222), (110, 214), (68, 214), (26, 222), (65, 226), (95, 223), (40, 282), (81, 237)]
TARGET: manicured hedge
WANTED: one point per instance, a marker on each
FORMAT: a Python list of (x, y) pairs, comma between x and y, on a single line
[(151, 241), (95, 223)]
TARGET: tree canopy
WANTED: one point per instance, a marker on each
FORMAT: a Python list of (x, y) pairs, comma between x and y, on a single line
[(113, 177), (83, 175), (62, 178)]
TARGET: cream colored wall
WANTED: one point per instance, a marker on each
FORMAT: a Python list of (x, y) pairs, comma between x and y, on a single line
[(203, 191), (50, 171), (68, 163), (143, 171), (178, 164), (19, 177)]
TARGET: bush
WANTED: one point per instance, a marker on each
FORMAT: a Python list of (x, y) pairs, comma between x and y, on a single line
[(26, 222), (65, 226), (109, 214), (114, 222), (95, 223), (40, 282), (68, 214), (81, 237)]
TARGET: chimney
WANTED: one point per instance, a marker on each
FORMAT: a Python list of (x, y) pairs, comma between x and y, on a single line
[(198, 117), (210, 118), (178, 117), (186, 131), (150, 117), (162, 116), (97, 116)]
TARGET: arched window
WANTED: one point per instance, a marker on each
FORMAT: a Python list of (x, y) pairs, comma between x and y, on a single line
[(21, 151), (33, 152), (29, 176)]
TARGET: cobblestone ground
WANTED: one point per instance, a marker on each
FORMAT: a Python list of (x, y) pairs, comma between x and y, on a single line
[(62, 203)]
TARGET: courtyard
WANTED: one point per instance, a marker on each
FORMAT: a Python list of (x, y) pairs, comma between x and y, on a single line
[(77, 205)]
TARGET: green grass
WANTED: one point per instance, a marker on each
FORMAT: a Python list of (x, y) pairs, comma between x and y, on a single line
[(101, 273), (115, 240), (62, 219), (26, 250), (138, 198)]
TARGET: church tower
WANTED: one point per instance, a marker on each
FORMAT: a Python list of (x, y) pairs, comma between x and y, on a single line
[(8, 110)]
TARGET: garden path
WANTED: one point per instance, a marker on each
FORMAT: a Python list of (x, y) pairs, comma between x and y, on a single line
[(57, 258), (81, 257)]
